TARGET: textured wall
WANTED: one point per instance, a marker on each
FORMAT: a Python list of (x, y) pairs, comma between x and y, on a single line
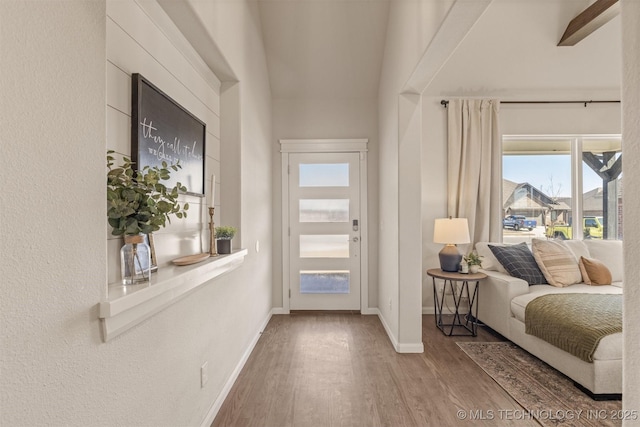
[(53, 248), (631, 148), (55, 368)]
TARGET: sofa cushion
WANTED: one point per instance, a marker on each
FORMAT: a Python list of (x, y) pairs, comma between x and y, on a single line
[(557, 262), (519, 262), (609, 252), (578, 248), (594, 272)]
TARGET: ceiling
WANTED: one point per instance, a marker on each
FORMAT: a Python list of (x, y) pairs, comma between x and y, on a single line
[(512, 50), (324, 48), (334, 49)]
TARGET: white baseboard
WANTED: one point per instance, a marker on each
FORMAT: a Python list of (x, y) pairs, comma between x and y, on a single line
[(217, 404), (400, 347), (410, 348), (428, 310), (279, 310), (369, 311)]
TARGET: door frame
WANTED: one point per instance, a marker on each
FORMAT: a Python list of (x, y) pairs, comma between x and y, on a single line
[(288, 146)]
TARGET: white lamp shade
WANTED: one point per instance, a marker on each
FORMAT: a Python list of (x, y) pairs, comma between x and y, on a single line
[(451, 231)]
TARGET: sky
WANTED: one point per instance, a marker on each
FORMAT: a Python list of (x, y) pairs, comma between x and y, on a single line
[(550, 173)]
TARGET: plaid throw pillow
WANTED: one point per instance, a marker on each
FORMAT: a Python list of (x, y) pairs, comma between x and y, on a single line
[(519, 262)]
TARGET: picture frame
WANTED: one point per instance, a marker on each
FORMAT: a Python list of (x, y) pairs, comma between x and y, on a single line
[(164, 131)]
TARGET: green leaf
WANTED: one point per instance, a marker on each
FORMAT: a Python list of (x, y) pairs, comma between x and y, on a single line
[(137, 200)]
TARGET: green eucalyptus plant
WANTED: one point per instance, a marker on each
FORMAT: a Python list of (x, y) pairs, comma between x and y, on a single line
[(137, 201), (225, 232), (473, 259)]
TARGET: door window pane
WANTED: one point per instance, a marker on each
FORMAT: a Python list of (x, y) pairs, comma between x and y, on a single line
[(324, 175), (324, 246), (324, 210), (324, 282)]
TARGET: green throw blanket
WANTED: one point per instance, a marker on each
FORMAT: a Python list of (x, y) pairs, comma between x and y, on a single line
[(574, 322)]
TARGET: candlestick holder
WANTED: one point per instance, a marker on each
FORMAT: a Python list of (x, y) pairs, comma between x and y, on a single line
[(212, 233)]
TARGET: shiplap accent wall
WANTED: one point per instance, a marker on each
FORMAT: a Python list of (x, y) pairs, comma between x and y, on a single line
[(142, 39)]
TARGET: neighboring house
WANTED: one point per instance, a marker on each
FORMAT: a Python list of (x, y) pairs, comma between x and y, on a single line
[(525, 199)]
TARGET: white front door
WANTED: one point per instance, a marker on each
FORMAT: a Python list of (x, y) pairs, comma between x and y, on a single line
[(324, 237)]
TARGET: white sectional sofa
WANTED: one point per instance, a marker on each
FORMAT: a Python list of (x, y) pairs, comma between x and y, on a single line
[(503, 299)]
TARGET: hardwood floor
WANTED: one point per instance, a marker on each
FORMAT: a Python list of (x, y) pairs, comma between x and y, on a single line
[(341, 370)]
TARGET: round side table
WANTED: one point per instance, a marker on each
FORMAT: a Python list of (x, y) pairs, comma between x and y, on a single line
[(456, 321)]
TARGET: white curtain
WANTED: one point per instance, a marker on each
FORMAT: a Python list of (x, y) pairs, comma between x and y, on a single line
[(475, 166)]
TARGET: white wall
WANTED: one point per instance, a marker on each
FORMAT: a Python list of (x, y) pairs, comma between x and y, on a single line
[(631, 147), (56, 369), (326, 119), (235, 28), (530, 119), (410, 28), (53, 213), (434, 188)]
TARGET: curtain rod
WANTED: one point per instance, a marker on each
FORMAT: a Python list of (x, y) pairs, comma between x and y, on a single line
[(444, 102)]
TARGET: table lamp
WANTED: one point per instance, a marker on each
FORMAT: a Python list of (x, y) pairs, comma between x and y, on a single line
[(450, 232)]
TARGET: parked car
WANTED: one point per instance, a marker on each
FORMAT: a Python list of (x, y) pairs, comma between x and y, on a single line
[(591, 226), (518, 222)]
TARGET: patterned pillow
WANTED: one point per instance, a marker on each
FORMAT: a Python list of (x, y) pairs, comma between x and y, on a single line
[(519, 262), (557, 262), (489, 261)]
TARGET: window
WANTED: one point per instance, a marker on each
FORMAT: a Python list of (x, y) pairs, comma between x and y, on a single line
[(564, 187)]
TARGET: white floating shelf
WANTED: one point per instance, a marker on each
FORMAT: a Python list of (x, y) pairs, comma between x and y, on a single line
[(127, 306)]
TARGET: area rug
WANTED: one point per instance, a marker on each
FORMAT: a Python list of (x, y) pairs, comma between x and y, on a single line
[(545, 394)]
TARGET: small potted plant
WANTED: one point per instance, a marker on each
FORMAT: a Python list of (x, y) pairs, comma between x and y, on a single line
[(474, 261), (224, 234), (138, 204)]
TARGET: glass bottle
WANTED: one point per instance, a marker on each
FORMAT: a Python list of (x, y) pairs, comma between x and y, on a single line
[(135, 260), (464, 266)]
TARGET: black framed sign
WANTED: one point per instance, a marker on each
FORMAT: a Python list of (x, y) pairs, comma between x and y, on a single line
[(162, 130)]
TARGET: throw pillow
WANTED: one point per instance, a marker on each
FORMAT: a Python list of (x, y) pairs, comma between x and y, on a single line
[(594, 272), (489, 261), (557, 262), (608, 252), (519, 262)]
